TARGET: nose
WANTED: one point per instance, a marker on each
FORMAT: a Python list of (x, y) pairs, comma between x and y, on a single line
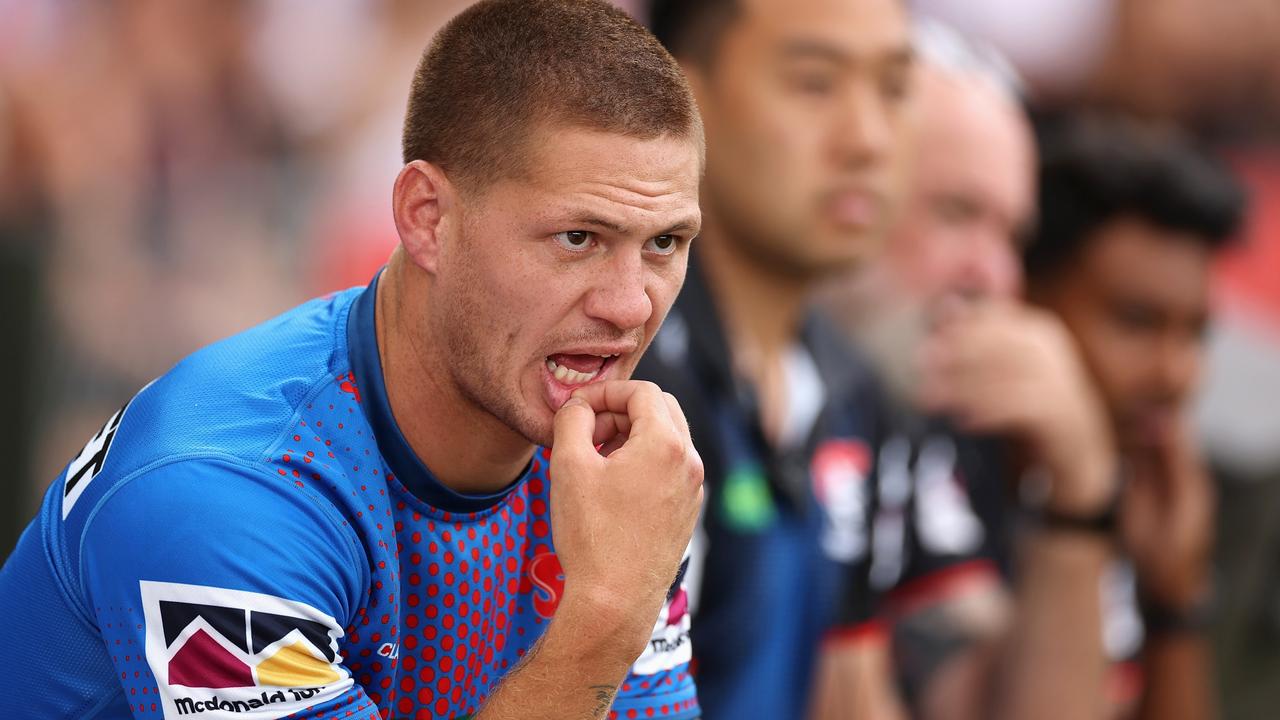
[(1179, 365), (619, 294), (989, 265), (863, 133)]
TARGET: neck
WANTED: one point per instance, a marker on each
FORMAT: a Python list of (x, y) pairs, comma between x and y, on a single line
[(761, 306), (466, 448)]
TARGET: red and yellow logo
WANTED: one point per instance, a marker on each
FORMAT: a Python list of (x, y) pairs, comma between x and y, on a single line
[(202, 639)]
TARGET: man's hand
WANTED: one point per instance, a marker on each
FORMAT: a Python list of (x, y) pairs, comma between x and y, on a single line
[(623, 515), (1007, 368), (626, 488), (1012, 369), (1166, 521)]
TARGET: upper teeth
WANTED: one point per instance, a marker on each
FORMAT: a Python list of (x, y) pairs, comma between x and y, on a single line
[(570, 376)]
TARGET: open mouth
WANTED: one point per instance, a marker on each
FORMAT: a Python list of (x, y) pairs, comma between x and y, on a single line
[(563, 373), (573, 370)]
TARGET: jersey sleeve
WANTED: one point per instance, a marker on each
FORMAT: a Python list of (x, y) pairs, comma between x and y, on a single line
[(660, 683), (222, 593)]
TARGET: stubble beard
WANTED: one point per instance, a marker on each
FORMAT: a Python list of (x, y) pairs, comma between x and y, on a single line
[(476, 376), (474, 369)]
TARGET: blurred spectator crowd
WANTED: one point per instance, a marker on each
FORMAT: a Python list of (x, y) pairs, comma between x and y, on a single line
[(171, 173)]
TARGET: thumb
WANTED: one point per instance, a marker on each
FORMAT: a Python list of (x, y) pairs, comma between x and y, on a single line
[(575, 423)]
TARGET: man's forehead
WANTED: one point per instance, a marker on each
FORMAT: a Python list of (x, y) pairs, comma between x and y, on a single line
[(844, 31), (1138, 257), (611, 182), (968, 133), (570, 154), (566, 160)]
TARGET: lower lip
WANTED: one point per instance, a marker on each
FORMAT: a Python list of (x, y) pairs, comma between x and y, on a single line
[(858, 211), (557, 393)]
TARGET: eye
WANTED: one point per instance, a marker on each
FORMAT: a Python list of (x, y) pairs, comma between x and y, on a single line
[(574, 240), (662, 244), (814, 84), (895, 84)]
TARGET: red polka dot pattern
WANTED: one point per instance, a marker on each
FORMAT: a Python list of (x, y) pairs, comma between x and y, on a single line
[(453, 601)]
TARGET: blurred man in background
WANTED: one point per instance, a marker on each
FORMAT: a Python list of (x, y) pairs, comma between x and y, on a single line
[(805, 107), (1130, 218), (941, 547), (963, 357)]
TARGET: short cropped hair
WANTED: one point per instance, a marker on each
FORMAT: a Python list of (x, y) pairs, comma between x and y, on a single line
[(503, 67), (691, 29), (1097, 168)]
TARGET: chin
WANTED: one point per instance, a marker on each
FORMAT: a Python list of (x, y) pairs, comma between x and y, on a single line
[(539, 431), (544, 437), (536, 424)]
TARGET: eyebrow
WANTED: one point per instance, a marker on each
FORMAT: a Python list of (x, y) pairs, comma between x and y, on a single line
[(816, 49), (686, 225)]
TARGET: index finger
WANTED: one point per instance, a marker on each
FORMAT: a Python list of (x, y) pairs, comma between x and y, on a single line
[(639, 400)]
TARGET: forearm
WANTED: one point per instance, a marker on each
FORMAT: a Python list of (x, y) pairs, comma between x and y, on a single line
[(855, 682), (1054, 665), (574, 671), (1178, 681)]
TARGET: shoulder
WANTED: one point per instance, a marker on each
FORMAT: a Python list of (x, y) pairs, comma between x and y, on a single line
[(235, 395), (232, 399), (197, 441), (214, 521)]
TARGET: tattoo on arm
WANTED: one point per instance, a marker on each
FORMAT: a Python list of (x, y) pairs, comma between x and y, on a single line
[(604, 699)]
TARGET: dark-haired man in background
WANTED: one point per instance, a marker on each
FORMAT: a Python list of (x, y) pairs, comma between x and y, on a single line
[(804, 103), (1130, 218), (344, 512)]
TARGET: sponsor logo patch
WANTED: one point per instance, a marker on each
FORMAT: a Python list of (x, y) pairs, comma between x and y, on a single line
[(669, 645), (220, 653)]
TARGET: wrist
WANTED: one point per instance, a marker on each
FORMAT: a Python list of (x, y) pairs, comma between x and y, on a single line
[(1088, 489), (1100, 522), (1187, 616), (1079, 457), (604, 623)]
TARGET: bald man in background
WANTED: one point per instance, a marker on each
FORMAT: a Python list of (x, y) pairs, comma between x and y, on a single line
[(971, 372)]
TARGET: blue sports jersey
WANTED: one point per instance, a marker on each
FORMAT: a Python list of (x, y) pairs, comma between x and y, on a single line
[(252, 537)]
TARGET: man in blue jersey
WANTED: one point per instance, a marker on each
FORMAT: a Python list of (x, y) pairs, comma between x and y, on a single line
[(345, 512)]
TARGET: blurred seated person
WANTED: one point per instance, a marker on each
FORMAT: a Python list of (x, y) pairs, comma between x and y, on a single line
[(1130, 218), (965, 362)]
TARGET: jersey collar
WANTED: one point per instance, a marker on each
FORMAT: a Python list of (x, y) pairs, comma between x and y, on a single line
[(366, 364)]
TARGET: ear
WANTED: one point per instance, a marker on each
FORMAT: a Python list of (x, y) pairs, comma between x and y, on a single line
[(423, 204)]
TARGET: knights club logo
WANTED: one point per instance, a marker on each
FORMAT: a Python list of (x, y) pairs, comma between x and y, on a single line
[(839, 469), (218, 653)]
